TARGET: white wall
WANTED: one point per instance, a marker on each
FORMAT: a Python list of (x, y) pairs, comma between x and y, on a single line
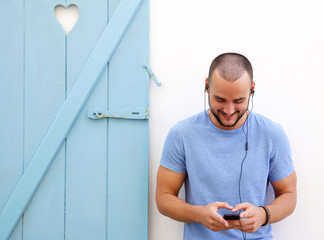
[(284, 40)]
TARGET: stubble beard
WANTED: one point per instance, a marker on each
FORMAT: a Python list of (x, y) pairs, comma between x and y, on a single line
[(220, 121), (230, 125)]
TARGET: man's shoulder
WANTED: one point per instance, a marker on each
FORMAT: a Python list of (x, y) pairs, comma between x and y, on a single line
[(191, 122), (264, 123)]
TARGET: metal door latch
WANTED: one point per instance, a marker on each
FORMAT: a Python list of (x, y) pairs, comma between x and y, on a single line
[(152, 75), (140, 113)]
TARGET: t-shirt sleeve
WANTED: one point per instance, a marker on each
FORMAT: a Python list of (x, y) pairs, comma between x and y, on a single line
[(281, 164), (173, 157)]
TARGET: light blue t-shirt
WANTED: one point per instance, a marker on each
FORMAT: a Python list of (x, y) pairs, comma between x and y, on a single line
[(212, 159)]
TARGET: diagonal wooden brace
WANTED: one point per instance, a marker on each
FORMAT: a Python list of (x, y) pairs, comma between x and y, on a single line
[(66, 117)]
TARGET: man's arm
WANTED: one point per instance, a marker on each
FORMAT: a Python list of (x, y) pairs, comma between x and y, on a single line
[(286, 198), (283, 205), (169, 204)]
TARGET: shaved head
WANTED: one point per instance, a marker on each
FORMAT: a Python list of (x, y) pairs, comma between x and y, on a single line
[(231, 67)]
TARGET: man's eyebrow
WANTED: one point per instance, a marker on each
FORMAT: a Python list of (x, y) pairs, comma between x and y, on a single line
[(220, 98), (215, 96), (239, 99)]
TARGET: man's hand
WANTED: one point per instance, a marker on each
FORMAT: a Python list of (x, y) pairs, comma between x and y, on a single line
[(169, 204), (211, 219), (251, 219)]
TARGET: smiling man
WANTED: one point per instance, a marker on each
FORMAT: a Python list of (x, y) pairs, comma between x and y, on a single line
[(227, 156)]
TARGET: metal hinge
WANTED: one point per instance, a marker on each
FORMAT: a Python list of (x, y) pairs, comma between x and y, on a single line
[(140, 113)]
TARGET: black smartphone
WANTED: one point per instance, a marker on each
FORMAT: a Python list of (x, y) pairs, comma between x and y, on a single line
[(231, 216)]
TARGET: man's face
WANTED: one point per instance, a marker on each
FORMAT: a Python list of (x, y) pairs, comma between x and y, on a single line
[(228, 101)]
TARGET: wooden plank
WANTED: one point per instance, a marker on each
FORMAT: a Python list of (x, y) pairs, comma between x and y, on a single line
[(64, 120), (45, 94), (87, 142), (11, 99), (128, 139)]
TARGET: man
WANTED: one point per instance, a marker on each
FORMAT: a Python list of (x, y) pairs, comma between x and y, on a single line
[(226, 156)]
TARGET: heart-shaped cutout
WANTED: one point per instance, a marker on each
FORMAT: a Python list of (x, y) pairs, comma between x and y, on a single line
[(67, 17)]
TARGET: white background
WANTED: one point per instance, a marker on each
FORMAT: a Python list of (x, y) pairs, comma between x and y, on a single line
[(284, 40)]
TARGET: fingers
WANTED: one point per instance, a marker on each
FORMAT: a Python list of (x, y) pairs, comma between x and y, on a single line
[(244, 214), (223, 205), (215, 222), (250, 218), (245, 207), (216, 217), (241, 222), (241, 206), (246, 225), (249, 228), (222, 221)]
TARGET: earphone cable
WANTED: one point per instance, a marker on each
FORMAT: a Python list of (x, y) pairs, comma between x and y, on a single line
[(246, 134)]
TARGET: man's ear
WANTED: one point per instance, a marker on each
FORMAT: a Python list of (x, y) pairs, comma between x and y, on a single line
[(252, 88), (206, 85)]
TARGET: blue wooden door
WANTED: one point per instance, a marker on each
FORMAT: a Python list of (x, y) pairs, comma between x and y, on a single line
[(69, 169)]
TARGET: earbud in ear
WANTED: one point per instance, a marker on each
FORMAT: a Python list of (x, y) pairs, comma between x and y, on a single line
[(252, 91), (206, 88)]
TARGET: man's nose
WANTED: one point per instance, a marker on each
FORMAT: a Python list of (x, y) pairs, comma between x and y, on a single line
[(229, 108)]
